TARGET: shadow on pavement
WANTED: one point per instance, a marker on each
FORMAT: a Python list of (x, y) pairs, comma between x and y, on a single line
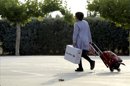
[(108, 73), (66, 77)]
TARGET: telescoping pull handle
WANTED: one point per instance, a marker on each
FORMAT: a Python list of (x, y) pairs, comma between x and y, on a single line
[(95, 48)]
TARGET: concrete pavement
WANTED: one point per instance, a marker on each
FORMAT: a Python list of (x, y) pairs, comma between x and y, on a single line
[(47, 70)]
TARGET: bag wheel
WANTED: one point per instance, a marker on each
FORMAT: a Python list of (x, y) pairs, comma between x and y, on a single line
[(111, 69), (118, 69)]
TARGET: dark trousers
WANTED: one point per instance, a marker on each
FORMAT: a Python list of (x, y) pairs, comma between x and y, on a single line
[(85, 56)]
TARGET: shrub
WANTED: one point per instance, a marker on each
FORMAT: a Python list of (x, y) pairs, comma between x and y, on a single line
[(50, 36)]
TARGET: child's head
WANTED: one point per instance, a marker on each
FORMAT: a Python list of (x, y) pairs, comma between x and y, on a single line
[(79, 16)]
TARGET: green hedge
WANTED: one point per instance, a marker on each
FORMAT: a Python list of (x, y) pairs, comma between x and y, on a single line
[(7, 37), (50, 37), (47, 37), (109, 37)]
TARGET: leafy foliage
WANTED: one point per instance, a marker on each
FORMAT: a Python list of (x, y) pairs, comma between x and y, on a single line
[(115, 10), (50, 36), (54, 5), (47, 37), (7, 37), (51, 5), (19, 13), (16, 11), (108, 36)]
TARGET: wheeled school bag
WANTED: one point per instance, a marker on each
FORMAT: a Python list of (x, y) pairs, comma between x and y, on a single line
[(110, 59)]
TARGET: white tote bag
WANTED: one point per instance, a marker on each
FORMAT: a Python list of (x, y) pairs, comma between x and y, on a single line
[(73, 54)]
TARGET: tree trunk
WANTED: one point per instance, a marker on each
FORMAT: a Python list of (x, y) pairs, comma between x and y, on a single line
[(18, 34)]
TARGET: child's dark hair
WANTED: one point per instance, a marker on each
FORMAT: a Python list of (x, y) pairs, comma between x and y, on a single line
[(79, 15)]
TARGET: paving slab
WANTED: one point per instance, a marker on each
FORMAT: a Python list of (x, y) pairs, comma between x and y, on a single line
[(47, 70)]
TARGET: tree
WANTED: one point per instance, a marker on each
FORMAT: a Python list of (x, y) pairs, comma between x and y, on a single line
[(117, 11), (68, 16), (56, 5), (50, 5), (19, 13)]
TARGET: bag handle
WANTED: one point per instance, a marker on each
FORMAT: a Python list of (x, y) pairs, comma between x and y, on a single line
[(97, 50)]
